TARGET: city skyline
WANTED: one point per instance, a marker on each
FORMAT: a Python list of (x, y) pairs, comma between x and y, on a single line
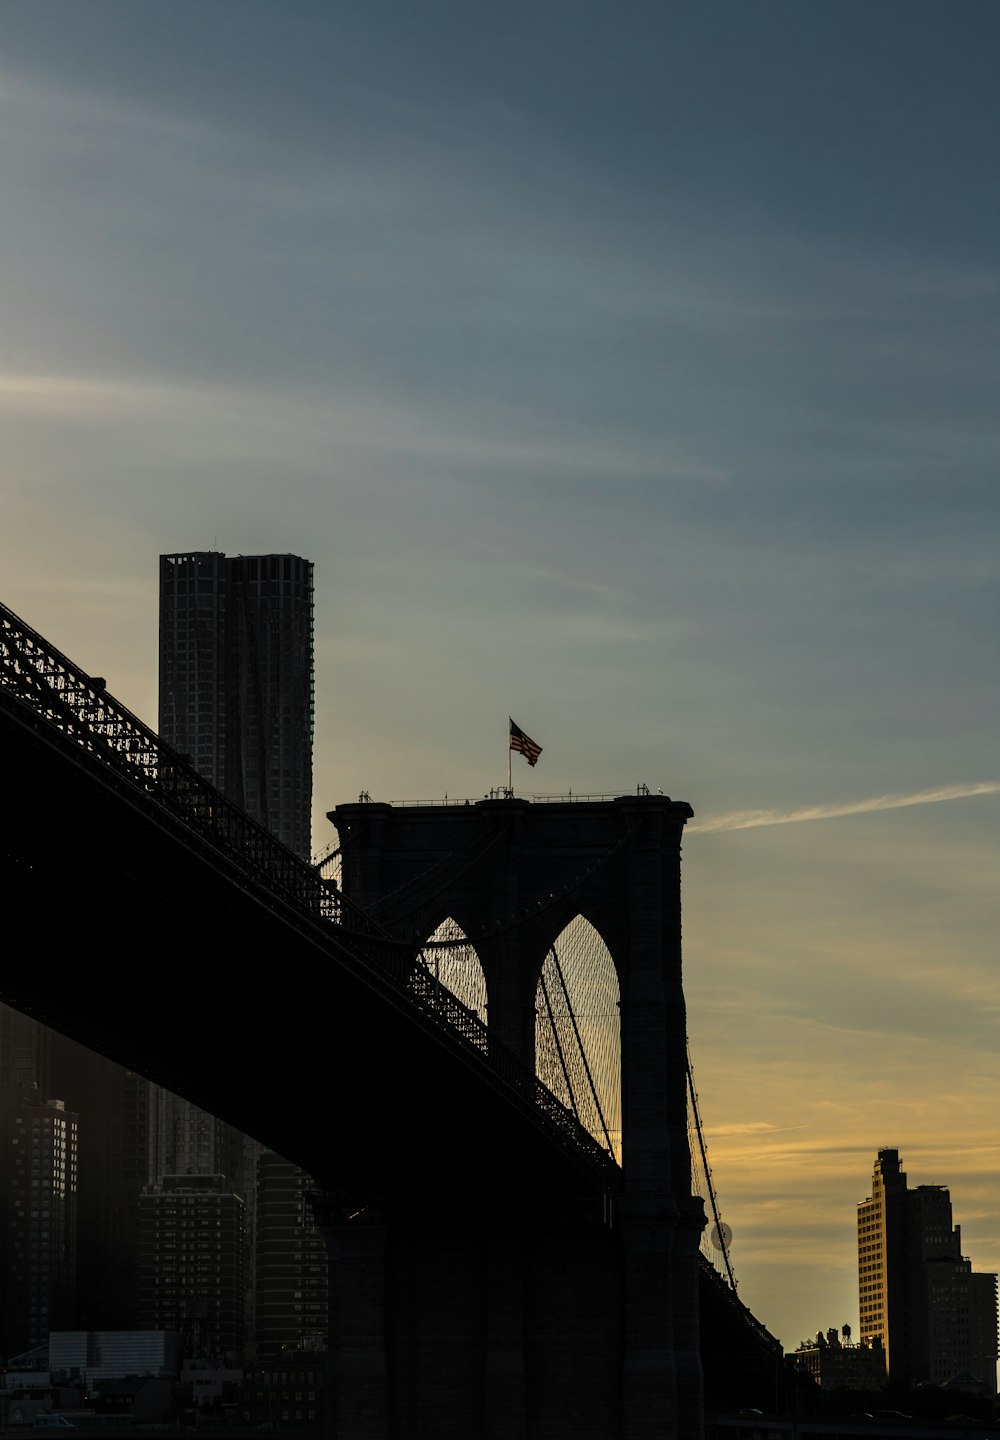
[(627, 375)]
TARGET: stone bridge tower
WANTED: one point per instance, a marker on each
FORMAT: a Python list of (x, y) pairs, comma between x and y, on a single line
[(614, 1354)]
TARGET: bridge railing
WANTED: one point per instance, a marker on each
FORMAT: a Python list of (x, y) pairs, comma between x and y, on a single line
[(438, 1002), (81, 709), (60, 694), (767, 1342)]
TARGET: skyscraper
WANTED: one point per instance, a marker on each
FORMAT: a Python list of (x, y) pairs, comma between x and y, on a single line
[(236, 680), (236, 696), (918, 1295)]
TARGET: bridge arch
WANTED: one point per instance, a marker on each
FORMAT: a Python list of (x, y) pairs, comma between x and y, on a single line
[(515, 874), (578, 1030), (454, 962)]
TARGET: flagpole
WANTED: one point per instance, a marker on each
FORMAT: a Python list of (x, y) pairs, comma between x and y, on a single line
[(509, 786)]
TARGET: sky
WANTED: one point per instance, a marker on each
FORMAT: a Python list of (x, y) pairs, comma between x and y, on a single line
[(630, 371)]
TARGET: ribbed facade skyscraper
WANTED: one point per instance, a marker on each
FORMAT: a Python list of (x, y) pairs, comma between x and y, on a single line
[(235, 697), (236, 680)]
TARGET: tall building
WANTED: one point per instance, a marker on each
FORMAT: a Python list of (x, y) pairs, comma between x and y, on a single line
[(25, 1052), (111, 1159), (235, 669), (918, 1296), (236, 697), (38, 1196), (113, 1105), (192, 1264), (292, 1306), (186, 1140), (236, 680)]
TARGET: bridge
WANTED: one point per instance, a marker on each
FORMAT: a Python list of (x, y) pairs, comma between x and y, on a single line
[(508, 1257)]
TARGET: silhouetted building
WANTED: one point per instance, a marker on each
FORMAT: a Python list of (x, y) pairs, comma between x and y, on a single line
[(236, 697), (25, 1052), (236, 662), (236, 680), (192, 1264), (38, 1216), (983, 1312), (284, 1393), (96, 1355), (836, 1364), (186, 1140), (292, 1270), (918, 1295), (113, 1105)]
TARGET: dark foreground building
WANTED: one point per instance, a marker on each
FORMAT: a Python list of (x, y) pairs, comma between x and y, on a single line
[(292, 1301), (38, 1198), (192, 1265)]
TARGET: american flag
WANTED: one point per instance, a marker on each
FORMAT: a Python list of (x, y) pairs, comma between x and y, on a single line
[(523, 744)]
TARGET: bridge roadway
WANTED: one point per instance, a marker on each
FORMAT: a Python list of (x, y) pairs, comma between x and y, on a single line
[(146, 943)]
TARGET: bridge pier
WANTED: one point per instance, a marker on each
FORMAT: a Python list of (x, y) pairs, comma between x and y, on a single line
[(582, 1324), (356, 1398), (506, 1378), (662, 1389), (466, 1328)]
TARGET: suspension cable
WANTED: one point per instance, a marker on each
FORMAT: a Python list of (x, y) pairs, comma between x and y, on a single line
[(720, 1232)]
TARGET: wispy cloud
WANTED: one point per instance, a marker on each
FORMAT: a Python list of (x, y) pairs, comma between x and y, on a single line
[(750, 819), (67, 396)]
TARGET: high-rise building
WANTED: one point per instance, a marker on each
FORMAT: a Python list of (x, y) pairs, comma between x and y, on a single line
[(292, 1305), (919, 1297), (111, 1162), (236, 680), (236, 697), (113, 1105), (192, 1265), (186, 1140), (25, 1052), (38, 1196)]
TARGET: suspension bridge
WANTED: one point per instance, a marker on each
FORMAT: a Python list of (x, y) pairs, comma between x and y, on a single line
[(481, 1003)]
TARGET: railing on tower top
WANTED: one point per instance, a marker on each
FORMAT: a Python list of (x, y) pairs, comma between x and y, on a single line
[(66, 699), (500, 792)]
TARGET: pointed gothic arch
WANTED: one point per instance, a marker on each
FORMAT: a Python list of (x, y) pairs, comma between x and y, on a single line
[(578, 1030), (454, 961)]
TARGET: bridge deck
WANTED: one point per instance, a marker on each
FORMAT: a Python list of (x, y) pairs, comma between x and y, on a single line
[(160, 953)]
